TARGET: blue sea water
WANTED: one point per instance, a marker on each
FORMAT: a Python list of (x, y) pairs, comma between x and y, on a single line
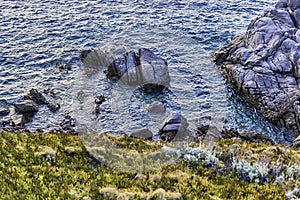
[(37, 35)]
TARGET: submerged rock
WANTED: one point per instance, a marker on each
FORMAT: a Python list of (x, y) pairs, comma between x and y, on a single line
[(264, 64), (156, 108), (4, 111)]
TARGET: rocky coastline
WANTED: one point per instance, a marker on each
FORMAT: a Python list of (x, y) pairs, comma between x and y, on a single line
[(263, 64)]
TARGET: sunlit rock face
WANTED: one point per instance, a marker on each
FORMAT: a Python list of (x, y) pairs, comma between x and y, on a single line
[(264, 64)]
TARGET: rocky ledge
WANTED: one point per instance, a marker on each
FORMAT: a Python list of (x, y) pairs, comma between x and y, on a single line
[(264, 64)]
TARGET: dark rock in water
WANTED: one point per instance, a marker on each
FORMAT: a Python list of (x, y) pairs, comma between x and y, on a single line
[(265, 64), (26, 106), (53, 107), (40, 99), (98, 101), (36, 96), (203, 125), (296, 143), (144, 68), (156, 108), (4, 111), (143, 133), (175, 125), (68, 124), (17, 120)]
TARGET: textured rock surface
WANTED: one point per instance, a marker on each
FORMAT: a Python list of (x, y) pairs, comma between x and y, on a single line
[(4, 111), (175, 125), (142, 68), (264, 64), (26, 106)]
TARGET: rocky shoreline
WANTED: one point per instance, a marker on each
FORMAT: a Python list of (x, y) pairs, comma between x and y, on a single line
[(264, 64)]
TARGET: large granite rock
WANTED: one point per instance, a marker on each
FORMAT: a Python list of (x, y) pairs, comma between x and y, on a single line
[(142, 68), (133, 68), (264, 64)]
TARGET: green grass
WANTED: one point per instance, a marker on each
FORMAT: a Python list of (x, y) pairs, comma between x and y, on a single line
[(58, 166)]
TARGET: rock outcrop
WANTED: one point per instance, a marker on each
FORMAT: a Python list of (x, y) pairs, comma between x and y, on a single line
[(174, 127), (133, 68), (264, 64), (142, 68)]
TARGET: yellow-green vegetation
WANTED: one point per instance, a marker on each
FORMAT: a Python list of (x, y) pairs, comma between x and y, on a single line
[(58, 166)]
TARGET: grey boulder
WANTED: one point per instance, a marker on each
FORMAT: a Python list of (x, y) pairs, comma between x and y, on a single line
[(142, 68)]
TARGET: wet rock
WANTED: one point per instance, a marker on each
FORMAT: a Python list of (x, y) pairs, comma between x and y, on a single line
[(296, 143), (53, 107), (26, 106), (36, 96), (142, 68), (68, 124), (156, 108), (264, 64), (4, 112), (98, 101), (203, 125), (17, 120), (143, 133), (99, 58), (175, 125)]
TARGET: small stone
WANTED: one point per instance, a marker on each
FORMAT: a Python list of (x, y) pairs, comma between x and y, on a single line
[(4, 111), (143, 133), (17, 120), (156, 108), (26, 106)]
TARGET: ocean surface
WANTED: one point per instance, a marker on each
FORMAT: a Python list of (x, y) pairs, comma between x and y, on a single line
[(37, 36)]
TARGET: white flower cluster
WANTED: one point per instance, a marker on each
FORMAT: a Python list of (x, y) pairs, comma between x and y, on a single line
[(256, 171), (293, 194), (205, 155)]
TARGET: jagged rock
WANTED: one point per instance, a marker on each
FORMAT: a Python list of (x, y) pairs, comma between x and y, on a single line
[(264, 64), (142, 68), (98, 101), (156, 108), (17, 120), (26, 106), (36, 96), (4, 111), (296, 143), (175, 125), (142, 133)]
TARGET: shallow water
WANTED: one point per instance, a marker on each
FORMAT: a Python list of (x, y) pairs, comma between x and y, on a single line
[(36, 35)]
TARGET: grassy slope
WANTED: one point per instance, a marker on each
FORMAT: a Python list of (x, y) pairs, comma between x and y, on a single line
[(57, 166)]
